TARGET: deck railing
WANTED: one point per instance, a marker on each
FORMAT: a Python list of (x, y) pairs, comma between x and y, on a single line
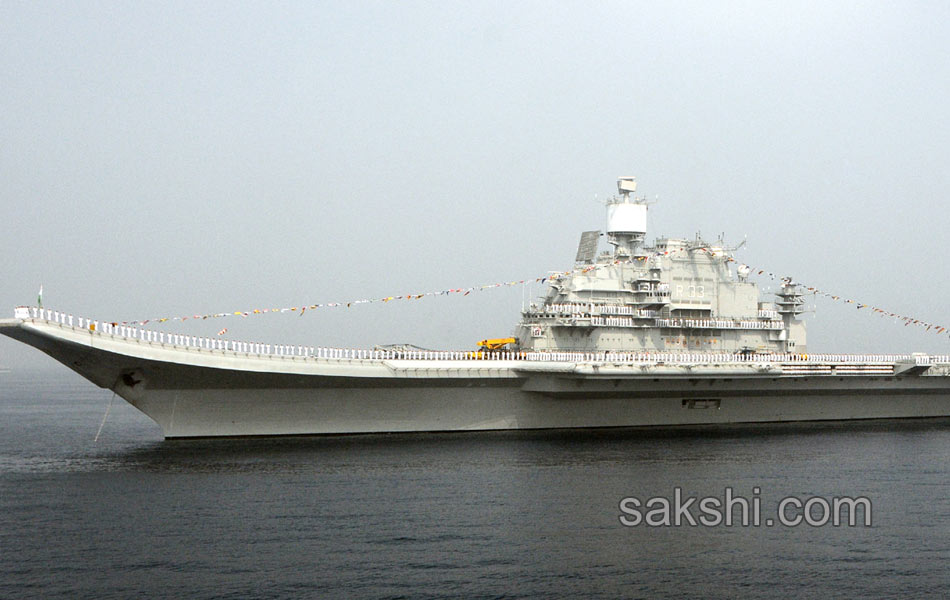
[(718, 324), (128, 332)]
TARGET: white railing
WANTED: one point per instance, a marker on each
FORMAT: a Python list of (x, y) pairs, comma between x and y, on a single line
[(190, 342), (614, 322), (592, 309), (563, 309), (719, 324), (613, 309)]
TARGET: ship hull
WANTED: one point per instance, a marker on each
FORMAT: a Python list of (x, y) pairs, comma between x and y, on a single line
[(230, 412), (200, 393)]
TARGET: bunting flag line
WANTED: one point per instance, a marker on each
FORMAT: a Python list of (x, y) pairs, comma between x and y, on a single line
[(817, 292), (553, 276)]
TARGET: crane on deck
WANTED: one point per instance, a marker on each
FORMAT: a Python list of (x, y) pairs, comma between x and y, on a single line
[(492, 345)]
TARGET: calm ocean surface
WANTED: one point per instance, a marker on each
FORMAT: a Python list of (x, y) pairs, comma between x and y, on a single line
[(519, 515)]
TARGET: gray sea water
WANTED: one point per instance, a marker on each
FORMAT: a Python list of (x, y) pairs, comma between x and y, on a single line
[(486, 515)]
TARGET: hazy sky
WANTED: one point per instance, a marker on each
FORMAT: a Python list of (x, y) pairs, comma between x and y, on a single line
[(163, 159)]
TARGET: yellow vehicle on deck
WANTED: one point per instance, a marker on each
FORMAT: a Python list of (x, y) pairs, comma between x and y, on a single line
[(491, 346), (497, 343)]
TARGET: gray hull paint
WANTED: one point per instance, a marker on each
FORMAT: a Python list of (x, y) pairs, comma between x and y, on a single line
[(194, 393), (228, 412)]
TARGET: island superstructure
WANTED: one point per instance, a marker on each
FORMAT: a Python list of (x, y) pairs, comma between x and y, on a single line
[(677, 295), (674, 333)]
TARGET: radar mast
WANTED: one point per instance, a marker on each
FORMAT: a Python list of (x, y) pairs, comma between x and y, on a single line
[(626, 219)]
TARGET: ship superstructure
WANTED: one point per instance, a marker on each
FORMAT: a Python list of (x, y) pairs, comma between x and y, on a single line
[(676, 295)]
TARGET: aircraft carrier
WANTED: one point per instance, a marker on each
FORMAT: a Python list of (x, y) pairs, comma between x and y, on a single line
[(673, 333)]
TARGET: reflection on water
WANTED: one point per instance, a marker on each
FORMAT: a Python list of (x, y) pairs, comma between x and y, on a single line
[(523, 514)]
